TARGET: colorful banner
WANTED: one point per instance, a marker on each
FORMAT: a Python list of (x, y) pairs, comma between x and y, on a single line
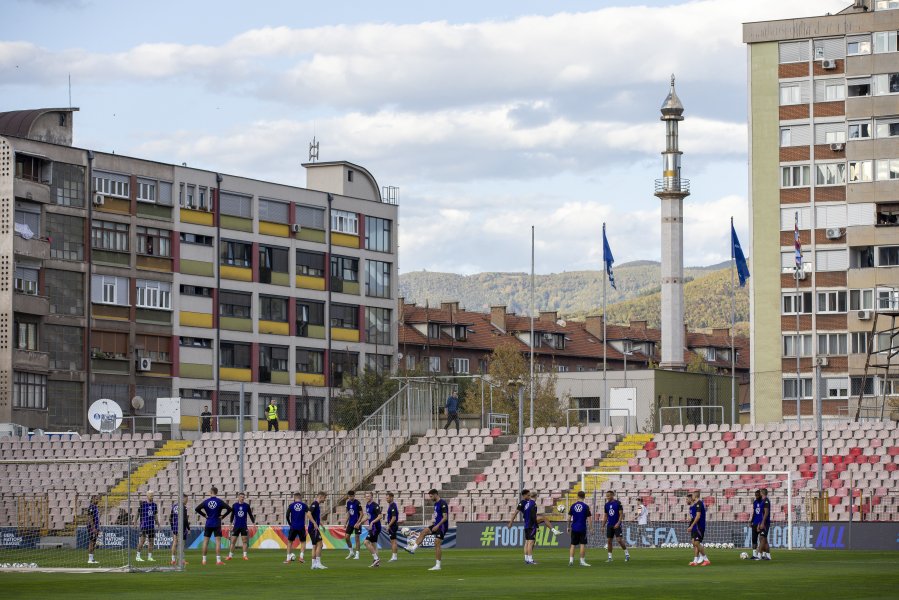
[(500, 535), (273, 537)]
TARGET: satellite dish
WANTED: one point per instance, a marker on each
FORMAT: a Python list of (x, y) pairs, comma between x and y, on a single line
[(137, 403), (399, 356), (105, 415), (561, 323)]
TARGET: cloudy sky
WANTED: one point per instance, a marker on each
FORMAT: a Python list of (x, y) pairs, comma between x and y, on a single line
[(490, 116)]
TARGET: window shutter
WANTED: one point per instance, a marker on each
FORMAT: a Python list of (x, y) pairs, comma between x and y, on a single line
[(236, 205), (830, 49), (830, 216), (788, 218), (832, 260), (310, 216), (164, 193), (800, 135), (273, 211), (121, 290), (822, 129), (861, 214), (805, 92), (790, 52)]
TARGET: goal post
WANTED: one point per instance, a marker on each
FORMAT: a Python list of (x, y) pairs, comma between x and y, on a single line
[(728, 498), (86, 514)]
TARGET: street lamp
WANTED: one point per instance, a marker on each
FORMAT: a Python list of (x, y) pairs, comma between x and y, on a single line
[(626, 353)]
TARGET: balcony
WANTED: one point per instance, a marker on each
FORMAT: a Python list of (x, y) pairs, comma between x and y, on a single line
[(31, 359), (313, 379), (31, 190), (672, 185), (38, 248), (30, 305)]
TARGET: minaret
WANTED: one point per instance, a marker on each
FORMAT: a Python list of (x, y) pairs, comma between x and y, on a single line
[(671, 189)]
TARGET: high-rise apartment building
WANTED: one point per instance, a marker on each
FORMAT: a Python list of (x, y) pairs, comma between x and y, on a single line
[(123, 277), (824, 159)]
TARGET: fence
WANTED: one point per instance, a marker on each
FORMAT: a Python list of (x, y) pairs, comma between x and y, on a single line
[(583, 417), (695, 415)]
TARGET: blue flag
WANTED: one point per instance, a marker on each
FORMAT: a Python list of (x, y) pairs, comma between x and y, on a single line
[(736, 252), (607, 257)]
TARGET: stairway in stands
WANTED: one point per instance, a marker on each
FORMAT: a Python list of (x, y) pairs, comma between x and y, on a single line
[(476, 466), (144, 470), (612, 462)]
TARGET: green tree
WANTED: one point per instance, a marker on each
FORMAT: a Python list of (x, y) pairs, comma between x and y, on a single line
[(361, 396)]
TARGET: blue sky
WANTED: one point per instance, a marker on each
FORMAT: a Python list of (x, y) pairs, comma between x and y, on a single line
[(489, 116)]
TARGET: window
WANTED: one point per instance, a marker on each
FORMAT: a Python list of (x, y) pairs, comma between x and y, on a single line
[(68, 185), (831, 174), (836, 387), (790, 388), (29, 390), (861, 170), (410, 362), (379, 363), (461, 333), (106, 235), (229, 404), (377, 234), (235, 355), (858, 45), (154, 242), (112, 184), (309, 409), (888, 256), (64, 347), (786, 137), (790, 93), (194, 342), (25, 335), (858, 87), (28, 218), (460, 366), (794, 176), (195, 290), (861, 257), (788, 218), (66, 237), (833, 91), (310, 361), (861, 299), (343, 221), (377, 325), (154, 294), (236, 205), (377, 279), (790, 342), (433, 364), (343, 364), (272, 359), (886, 4), (433, 330), (272, 259), (195, 238), (884, 41), (345, 316), (107, 289), (109, 345), (65, 289), (349, 175), (832, 301), (831, 260), (860, 130), (235, 304), (154, 347), (832, 343), (830, 215), (32, 168), (858, 342), (885, 128), (887, 299), (235, 254), (343, 269), (273, 308), (146, 190), (193, 197), (830, 133), (274, 211), (310, 217), (25, 280), (310, 264), (855, 385), (888, 169), (790, 52), (886, 83), (801, 303), (309, 313)]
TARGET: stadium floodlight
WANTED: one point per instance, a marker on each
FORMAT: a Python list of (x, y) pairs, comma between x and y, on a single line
[(727, 495)]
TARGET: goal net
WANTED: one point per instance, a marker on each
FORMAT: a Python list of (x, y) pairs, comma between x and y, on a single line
[(727, 497), (70, 514)]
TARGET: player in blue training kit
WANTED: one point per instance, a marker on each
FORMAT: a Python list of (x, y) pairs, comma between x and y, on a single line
[(353, 523), (578, 518), (296, 520), (240, 512), (393, 524), (315, 535), (755, 522), (214, 509), (438, 529), (613, 517), (373, 517), (179, 535), (148, 516), (697, 530), (522, 507), (93, 529), (764, 526)]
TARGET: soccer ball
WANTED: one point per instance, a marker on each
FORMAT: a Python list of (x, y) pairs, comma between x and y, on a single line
[(292, 557), (561, 508), (744, 556), (405, 531)]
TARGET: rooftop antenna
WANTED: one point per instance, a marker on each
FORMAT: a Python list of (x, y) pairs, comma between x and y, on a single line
[(313, 150), (70, 90)]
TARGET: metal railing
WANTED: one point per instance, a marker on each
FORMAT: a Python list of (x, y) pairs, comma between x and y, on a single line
[(691, 420), (230, 423), (498, 420), (146, 424), (627, 416), (672, 184)]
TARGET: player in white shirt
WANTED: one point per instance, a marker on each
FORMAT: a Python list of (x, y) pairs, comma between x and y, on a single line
[(642, 521)]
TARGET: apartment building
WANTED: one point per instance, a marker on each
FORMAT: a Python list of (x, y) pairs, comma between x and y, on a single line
[(125, 277), (824, 158)]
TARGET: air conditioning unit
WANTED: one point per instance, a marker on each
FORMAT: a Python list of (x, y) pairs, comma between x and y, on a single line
[(864, 315), (98, 200), (828, 64), (834, 233), (296, 227), (838, 147), (799, 275), (144, 364), (821, 361)]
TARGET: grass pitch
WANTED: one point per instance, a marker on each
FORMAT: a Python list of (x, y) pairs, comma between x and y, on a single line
[(489, 574)]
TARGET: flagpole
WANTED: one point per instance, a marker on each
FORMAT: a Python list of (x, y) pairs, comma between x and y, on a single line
[(605, 384), (533, 308), (733, 325)]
